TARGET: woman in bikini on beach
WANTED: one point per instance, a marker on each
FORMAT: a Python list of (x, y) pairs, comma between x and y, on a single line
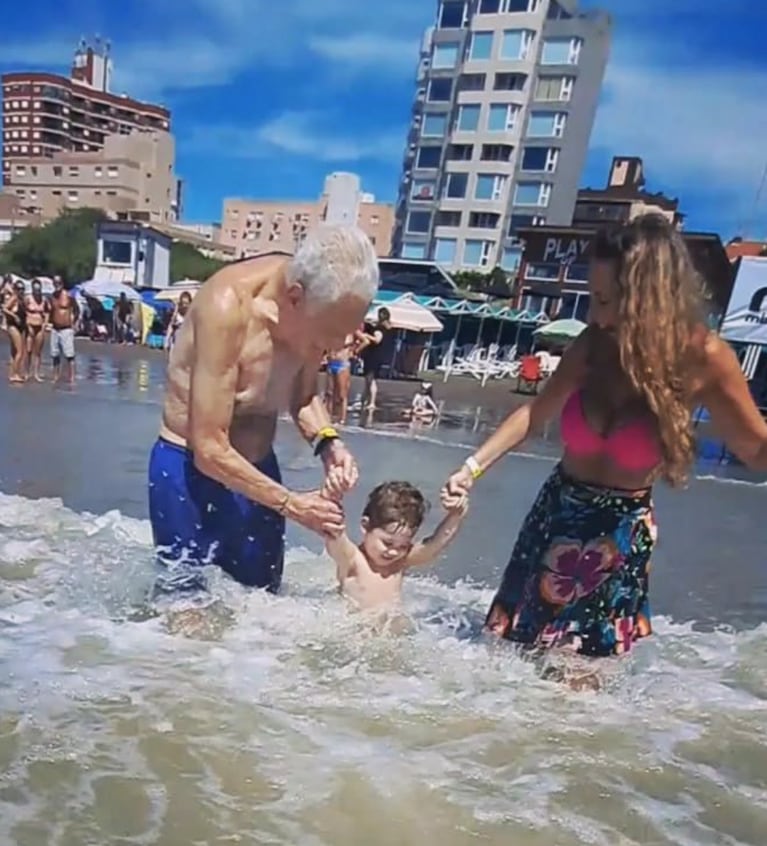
[(37, 310), (177, 321), (578, 576), (339, 373), (16, 324)]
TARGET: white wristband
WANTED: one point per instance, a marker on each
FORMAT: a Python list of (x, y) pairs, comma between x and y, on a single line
[(472, 465)]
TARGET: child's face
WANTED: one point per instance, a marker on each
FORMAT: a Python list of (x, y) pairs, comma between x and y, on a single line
[(387, 547)]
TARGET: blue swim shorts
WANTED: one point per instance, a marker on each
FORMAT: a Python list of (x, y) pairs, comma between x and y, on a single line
[(196, 521)]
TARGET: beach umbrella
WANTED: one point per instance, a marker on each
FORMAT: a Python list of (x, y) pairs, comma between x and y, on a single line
[(407, 314), (564, 330), (172, 294), (108, 289)]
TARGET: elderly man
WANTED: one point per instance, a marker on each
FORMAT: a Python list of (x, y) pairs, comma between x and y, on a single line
[(250, 349)]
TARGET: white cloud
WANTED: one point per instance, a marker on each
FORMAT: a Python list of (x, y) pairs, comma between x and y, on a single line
[(210, 42), (699, 125), (369, 51), (307, 134)]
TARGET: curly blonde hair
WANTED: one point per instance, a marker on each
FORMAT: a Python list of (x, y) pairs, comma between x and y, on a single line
[(660, 308)]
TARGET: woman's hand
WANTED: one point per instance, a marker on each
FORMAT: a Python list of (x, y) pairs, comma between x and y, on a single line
[(455, 492)]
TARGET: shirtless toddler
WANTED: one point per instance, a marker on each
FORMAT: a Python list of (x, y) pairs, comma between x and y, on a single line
[(371, 574)]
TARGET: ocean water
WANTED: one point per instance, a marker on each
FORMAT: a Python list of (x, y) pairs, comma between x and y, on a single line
[(291, 720)]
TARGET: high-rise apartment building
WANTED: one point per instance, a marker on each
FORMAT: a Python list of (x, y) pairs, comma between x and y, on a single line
[(506, 99), (44, 113), (256, 226)]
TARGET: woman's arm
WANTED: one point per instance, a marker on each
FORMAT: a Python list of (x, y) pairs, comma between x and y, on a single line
[(543, 407), (532, 416), (733, 410)]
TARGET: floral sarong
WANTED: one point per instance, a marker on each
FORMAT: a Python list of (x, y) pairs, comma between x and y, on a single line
[(579, 571)]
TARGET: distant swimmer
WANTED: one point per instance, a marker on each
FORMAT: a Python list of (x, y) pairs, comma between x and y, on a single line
[(249, 349)]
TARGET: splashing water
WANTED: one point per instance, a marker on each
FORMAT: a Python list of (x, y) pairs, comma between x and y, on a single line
[(300, 723)]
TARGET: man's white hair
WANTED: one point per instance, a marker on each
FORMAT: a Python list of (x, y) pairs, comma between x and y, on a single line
[(334, 260)]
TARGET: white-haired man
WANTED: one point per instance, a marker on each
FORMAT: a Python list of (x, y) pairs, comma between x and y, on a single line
[(250, 349)]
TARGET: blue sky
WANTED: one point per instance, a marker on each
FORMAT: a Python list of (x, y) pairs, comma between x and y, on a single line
[(268, 97)]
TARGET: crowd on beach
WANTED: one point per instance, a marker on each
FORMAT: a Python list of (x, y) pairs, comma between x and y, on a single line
[(29, 316)]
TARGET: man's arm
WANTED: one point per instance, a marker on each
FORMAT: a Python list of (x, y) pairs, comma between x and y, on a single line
[(219, 335), (432, 547), (306, 407)]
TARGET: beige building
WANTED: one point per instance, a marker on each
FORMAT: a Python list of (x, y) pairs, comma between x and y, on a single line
[(251, 227), (14, 216), (131, 174), (624, 197)]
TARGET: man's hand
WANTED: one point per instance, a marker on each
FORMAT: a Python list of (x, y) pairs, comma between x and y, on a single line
[(341, 472), (315, 512)]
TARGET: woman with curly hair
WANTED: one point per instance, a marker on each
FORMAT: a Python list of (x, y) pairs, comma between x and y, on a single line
[(625, 389)]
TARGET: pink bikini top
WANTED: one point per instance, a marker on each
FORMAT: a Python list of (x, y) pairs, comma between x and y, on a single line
[(633, 446)]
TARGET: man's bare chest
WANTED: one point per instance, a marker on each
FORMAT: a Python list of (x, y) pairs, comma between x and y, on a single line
[(266, 379)]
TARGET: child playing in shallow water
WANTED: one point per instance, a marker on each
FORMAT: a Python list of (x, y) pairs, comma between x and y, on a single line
[(371, 574), (422, 406)]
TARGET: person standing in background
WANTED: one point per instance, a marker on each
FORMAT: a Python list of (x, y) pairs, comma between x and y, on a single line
[(376, 349), (64, 313)]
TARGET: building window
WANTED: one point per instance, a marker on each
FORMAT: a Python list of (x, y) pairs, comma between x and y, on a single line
[(505, 7), (455, 186), (509, 82), (468, 118), (540, 159), (561, 51), (73, 196), (477, 253), (511, 258), (516, 43), (460, 152), (74, 171), (434, 126), (554, 88), (428, 157), (21, 170), (502, 117), (411, 250), (472, 82), (496, 152), (112, 171), (445, 250), (490, 186), (418, 222), (452, 14), (445, 56), (98, 171), (423, 189), (548, 272), (117, 252), (481, 46), (532, 194), (546, 124), (484, 220), (448, 218), (440, 90)]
